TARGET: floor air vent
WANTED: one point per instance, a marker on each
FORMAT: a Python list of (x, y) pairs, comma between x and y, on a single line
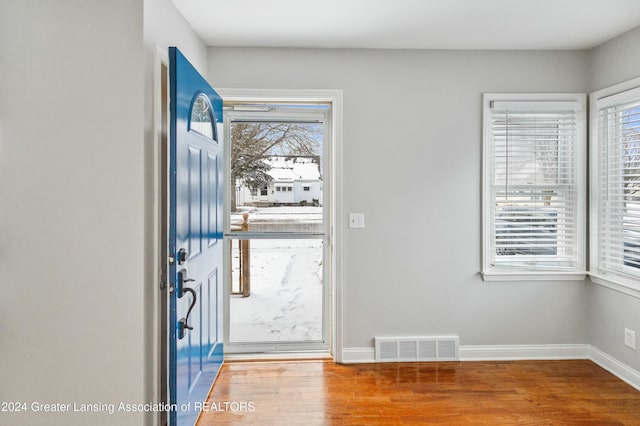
[(405, 349)]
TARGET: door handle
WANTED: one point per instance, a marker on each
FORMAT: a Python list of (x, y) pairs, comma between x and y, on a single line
[(183, 324), (182, 279)]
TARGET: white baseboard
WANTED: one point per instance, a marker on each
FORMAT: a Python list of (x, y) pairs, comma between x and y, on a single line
[(358, 355), (488, 353), (615, 367), (521, 352)]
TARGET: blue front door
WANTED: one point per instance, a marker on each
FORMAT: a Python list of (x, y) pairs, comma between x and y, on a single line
[(195, 238)]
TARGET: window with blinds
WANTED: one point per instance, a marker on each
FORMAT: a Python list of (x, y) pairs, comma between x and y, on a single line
[(616, 187), (534, 185)]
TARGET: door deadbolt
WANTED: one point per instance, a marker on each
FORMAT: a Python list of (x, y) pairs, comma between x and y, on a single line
[(183, 255)]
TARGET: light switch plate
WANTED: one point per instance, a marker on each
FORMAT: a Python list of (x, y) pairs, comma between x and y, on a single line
[(356, 220), (630, 338)]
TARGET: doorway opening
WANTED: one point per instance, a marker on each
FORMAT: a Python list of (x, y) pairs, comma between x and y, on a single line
[(278, 225)]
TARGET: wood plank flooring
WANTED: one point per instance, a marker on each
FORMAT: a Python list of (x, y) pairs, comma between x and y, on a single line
[(482, 393)]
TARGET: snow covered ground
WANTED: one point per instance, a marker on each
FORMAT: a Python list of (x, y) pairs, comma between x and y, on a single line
[(285, 304), (281, 219)]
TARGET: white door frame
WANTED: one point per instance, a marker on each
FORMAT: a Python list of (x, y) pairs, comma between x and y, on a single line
[(334, 97)]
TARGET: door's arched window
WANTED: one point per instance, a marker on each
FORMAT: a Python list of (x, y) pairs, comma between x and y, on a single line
[(201, 120)]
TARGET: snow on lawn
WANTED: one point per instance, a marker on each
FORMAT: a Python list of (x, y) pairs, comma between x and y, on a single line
[(286, 291), (281, 219)]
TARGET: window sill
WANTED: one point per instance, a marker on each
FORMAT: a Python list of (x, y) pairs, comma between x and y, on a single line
[(628, 287), (533, 276)]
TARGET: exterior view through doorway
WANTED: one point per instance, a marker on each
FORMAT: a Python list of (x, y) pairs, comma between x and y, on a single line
[(278, 226)]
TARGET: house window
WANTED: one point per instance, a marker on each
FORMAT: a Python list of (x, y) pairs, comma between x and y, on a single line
[(615, 185), (254, 191), (289, 188), (278, 189), (306, 188), (534, 187), (264, 190)]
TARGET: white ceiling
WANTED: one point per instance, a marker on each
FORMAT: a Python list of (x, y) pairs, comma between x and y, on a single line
[(411, 24)]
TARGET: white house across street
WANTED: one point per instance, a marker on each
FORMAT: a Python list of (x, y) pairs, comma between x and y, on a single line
[(296, 180)]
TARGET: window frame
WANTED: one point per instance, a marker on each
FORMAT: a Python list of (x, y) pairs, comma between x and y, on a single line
[(514, 273), (599, 99)]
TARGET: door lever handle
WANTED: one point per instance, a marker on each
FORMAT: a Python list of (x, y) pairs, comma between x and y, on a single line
[(182, 279), (183, 324), (181, 289)]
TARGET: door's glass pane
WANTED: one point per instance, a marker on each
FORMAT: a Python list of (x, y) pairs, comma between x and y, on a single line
[(202, 117), (280, 297), (277, 176)]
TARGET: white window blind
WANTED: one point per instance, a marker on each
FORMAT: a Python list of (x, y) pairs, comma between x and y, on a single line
[(618, 186), (534, 211)]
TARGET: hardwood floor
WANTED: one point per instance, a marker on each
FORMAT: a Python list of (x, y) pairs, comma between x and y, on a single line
[(485, 393)]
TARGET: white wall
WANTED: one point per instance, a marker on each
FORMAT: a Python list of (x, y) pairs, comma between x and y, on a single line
[(412, 124), (78, 183), (164, 26), (615, 61), (314, 192), (611, 312), (72, 207)]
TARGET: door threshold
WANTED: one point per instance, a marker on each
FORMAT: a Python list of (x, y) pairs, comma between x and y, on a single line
[(279, 356)]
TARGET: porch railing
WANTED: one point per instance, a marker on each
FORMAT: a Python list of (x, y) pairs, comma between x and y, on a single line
[(244, 270)]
